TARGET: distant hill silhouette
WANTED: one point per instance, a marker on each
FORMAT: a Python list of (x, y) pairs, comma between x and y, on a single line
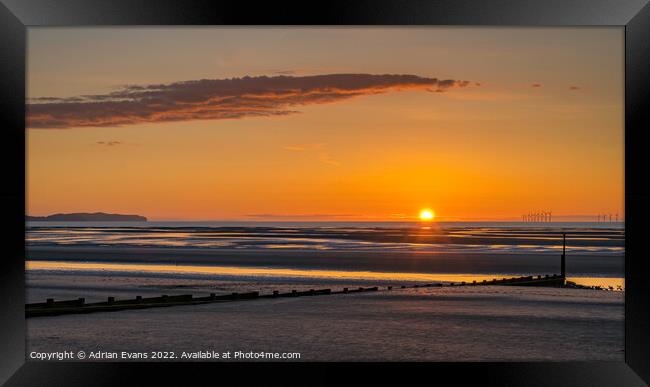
[(86, 217)]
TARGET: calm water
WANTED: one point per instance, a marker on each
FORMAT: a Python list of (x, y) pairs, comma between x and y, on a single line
[(526, 239), (489, 237)]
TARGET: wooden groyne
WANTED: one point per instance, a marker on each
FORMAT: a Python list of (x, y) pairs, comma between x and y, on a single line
[(545, 281), (55, 308)]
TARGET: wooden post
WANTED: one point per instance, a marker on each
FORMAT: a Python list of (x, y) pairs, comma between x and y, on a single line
[(563, 261)]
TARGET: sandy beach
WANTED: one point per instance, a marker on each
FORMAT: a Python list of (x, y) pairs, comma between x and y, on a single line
[(434, 324)]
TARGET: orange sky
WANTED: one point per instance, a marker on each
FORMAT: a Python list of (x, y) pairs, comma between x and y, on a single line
[(543, 130)]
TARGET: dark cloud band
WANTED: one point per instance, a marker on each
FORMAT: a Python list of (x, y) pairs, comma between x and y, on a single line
[(210, 99)]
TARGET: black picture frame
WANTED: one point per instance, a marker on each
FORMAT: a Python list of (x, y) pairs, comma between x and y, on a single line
[(17, 15)]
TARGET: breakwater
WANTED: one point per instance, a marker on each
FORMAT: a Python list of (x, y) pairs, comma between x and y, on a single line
[(76, 306)]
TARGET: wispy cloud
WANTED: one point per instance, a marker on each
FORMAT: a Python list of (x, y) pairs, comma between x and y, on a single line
[(319, 148), (213, 99), (536, 85), (326, 158), (110, 143), (301, 216), (290, 72), (304, 147), (574, 87)]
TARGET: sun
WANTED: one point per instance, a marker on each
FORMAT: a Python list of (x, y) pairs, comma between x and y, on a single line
[(427, 215)]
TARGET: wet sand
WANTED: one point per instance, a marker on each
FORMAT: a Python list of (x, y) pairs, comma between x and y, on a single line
[(486, 323), (607, 265), (435, 324)]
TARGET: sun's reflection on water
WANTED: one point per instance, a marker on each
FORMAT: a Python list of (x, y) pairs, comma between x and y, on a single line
[(267, 272)]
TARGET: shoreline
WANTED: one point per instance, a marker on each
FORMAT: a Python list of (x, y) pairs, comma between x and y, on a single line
[(392, 261)]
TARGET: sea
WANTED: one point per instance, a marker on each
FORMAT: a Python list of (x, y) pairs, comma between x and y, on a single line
[(601, 244), (495, 237)]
